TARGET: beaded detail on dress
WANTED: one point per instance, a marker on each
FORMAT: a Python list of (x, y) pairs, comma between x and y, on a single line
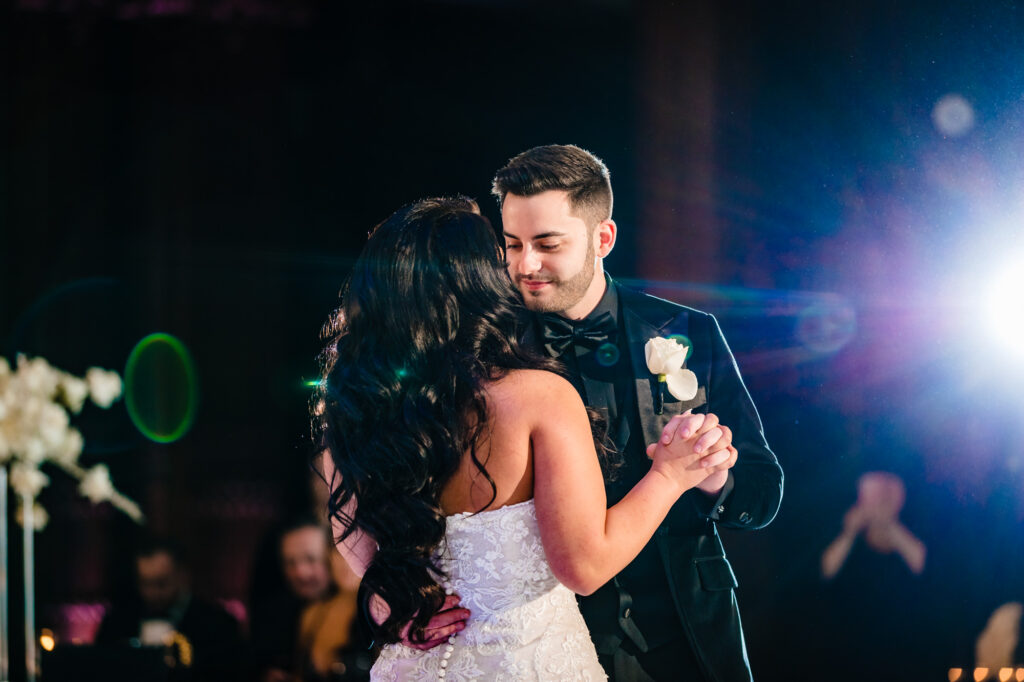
[(525, 625)]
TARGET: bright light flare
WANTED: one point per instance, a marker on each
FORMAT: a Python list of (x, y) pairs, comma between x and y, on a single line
[(1004, 308)]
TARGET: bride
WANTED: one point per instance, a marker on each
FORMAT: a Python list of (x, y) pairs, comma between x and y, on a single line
[(461, 464)]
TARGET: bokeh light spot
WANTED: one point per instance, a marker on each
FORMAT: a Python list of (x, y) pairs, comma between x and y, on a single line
[(685, 340), (826, 327), (161, 391), (953, 115), (607, 354)]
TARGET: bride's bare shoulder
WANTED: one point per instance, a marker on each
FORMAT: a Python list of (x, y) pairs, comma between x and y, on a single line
[(523, 389)]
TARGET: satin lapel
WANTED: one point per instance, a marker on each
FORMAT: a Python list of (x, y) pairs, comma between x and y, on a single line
[(639, 329), (644, 322)]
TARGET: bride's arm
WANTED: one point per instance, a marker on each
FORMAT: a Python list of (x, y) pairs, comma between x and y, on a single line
[(358, 549), (586, 543)]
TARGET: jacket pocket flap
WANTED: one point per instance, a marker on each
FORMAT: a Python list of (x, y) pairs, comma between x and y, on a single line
[(716, 574)]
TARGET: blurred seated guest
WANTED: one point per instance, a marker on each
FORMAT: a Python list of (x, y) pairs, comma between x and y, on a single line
[(333, 643), (164, 611), (304, 552), (299, 632), (301, 557)]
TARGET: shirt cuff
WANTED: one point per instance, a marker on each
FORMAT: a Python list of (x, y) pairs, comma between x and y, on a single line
[(718, 508)]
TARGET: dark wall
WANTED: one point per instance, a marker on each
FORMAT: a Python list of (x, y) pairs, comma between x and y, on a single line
[(776, 163), (213, 179)]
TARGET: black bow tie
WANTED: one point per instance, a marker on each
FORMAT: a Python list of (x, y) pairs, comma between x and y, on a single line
[(559, 333)]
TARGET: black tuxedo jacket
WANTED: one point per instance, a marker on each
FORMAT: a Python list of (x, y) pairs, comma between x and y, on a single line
[(691, 553)]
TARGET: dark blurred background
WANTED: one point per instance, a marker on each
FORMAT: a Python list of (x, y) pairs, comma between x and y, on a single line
[(838, 182)]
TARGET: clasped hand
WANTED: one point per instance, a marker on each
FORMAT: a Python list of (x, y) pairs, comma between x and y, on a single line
[(694, 450)]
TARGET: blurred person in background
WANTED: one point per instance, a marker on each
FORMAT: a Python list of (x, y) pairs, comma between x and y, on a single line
[(164, 610), (334, 644), (297, 632)]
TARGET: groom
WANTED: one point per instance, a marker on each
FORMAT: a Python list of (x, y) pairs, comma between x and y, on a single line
[(672, 613)]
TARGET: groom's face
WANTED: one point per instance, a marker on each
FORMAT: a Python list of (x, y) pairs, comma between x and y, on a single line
[(551, 253)]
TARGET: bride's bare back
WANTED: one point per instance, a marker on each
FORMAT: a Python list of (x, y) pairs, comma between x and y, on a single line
[(505, 448)]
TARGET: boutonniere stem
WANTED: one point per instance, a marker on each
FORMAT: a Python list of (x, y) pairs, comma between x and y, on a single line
[(659, 395)]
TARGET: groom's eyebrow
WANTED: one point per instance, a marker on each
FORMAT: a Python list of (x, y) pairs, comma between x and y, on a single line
[(545, 235)]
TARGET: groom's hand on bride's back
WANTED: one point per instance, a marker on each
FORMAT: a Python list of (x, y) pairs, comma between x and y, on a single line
[(445, 623)]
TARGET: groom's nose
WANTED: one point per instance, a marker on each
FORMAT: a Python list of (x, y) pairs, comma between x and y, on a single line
[(529, 261)]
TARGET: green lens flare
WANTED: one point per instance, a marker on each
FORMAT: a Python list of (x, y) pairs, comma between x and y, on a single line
[(161, 391), (607, 354), (685, 340)]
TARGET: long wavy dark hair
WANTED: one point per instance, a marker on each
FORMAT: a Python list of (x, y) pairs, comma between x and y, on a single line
[(428, 317)]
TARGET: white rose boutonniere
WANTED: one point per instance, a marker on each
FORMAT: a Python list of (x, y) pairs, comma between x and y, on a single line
[(665, 358)]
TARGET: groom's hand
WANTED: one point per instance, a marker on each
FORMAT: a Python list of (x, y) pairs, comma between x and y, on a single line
[(445, 623), (713, 484), (717, 460)]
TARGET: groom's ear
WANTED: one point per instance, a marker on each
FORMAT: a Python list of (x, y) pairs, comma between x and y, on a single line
[(605, 236)]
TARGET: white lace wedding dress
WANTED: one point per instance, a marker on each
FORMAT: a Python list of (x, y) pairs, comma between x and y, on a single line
[(525, 625)]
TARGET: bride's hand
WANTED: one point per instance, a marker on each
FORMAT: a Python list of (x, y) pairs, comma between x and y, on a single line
[(687, 424)]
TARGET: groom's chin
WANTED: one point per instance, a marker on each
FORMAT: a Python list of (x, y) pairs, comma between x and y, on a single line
[(535, 300), (539, 306)]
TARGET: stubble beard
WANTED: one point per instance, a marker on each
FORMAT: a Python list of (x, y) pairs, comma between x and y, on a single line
[(561, 295)]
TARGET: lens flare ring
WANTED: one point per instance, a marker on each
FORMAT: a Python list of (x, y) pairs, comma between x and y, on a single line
[(161, 389)]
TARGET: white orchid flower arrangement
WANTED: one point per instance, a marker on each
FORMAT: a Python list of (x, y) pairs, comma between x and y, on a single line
[(36, 401), (665, 358)]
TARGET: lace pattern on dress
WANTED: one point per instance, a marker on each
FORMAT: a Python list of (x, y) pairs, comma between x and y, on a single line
[(525, 625)]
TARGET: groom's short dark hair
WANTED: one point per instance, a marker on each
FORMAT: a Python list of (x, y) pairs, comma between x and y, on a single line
[(563, 167)]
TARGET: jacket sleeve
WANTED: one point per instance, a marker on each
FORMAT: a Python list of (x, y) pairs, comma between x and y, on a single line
[(753, 493)]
